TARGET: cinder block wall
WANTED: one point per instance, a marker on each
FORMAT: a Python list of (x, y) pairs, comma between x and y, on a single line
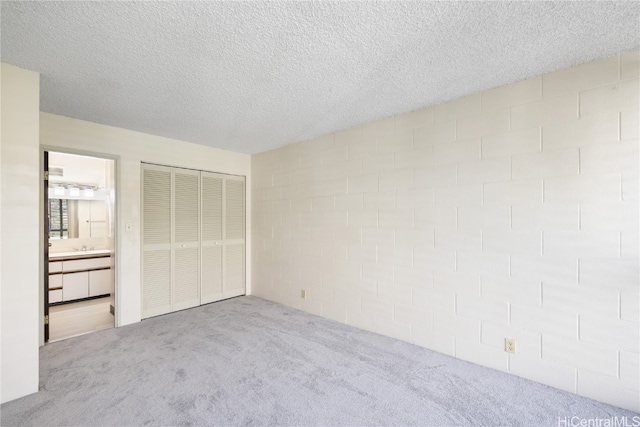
[(509, 213)]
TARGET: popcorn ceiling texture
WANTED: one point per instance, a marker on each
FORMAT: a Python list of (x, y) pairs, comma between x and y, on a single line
[(252, 76)]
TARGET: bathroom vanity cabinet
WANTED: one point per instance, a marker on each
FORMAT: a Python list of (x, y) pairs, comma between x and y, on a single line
[(79, 275)]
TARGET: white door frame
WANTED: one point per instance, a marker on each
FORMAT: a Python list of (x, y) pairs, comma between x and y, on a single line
[(116, 233)]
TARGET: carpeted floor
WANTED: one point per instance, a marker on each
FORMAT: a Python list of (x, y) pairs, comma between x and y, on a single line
[(248, 361)]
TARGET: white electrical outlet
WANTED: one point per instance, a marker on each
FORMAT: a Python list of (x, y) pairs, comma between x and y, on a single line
[(303, 294), (510, 345)]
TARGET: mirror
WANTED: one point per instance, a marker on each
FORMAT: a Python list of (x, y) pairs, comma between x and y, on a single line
[(72, 219)]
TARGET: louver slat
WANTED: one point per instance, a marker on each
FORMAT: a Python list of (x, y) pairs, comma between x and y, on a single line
[(234, 227), (211, 208), (211, 273), (157, 283), (157, 206), (234, 267), (186, 279), (187, 216)]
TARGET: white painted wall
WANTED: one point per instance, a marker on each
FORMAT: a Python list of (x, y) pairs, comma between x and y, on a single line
[(509, 213), (131, 148), (19, 232)]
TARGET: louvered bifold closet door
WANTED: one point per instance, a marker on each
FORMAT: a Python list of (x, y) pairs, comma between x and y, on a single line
[(186, 247), (234, 237), (156, 238), (212, 237)]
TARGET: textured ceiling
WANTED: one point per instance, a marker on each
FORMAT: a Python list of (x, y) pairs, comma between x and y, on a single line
[(251, 76)]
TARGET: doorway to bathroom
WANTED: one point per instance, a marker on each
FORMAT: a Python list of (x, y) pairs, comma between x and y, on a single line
[(79, 245)]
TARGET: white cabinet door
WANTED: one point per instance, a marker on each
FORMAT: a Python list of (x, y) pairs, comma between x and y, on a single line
[(55, 296), (100, 282), (55, 267), (75, 285), (55, 281)]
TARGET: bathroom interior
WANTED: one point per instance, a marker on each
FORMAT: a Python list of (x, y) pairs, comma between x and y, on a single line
[(81, 251)]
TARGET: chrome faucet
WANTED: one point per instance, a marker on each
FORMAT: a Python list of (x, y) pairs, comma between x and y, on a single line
[(84, 247)]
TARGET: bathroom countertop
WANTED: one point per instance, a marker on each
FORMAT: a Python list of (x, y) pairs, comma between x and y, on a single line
[(53, 256)]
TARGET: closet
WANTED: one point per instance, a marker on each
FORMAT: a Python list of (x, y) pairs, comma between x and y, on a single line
[(193, 238)]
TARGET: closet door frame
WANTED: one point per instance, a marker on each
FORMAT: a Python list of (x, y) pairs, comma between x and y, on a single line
[(230, 260)]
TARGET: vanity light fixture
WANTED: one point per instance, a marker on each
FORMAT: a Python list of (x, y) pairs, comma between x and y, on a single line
[(74, 191), (58, 191), (88, 192)]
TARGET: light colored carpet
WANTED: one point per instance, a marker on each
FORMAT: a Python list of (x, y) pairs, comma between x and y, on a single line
[(248, 361)]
